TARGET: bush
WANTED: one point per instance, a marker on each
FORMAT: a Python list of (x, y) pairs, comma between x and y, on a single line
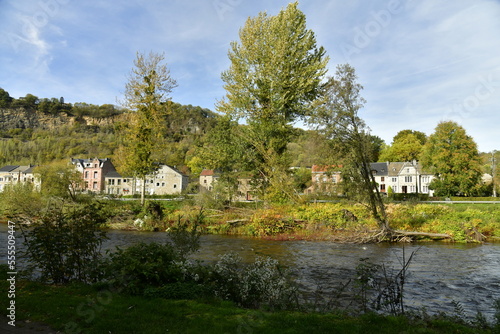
[(258, 284), (143, 265), (65, 245)]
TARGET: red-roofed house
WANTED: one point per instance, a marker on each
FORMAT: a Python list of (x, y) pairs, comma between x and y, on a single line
[(325, 179), (207, 178)]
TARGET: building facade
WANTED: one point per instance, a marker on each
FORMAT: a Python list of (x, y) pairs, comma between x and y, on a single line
[(13, 174), (165, 180), (93, 172), (402, 177)]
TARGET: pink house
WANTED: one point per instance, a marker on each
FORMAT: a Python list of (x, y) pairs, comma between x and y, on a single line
[(93, 172)]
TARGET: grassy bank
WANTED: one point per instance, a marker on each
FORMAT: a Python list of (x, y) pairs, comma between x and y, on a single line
[(325, 221), (87, 309)]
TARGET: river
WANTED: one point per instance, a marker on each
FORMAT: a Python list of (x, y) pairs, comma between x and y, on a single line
[(439, 274)]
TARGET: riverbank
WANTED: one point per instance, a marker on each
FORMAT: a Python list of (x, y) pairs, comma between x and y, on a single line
[(339, 222), (86, 309)]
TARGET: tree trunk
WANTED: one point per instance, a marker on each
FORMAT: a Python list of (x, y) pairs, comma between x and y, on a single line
[(143, 190)]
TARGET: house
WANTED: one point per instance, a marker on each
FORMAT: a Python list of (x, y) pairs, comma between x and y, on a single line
[(208, 177), (165, 180), (115, 184), (402, 177), (13, 174), (325, 179), (93, 172), (245, 189)]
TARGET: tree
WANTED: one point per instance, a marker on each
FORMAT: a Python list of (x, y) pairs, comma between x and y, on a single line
[(407, 147), (275, 73), (59, 179), (453, 157), (148, 87), (5, 98), (420, 136), (336, 116)]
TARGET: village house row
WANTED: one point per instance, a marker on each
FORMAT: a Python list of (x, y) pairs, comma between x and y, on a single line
[(100, 176)]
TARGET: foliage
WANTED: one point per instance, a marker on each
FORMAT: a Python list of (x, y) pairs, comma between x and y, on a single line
[(21, 201), (404, 148), (185, 235), (275, 73), (143, 265), (147, 89), (64, 243), (453, 157), (336, 116), (59, 179), (258, 284)]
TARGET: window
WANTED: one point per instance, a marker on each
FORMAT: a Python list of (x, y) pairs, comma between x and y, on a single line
[(111, 182), (118, 182), (86, 174), (394, 179), (163, 184), (1, 179), (382, 188), (157, 184), (95, 174), (205, 181), (94, 186), (425, 189), (175, 186), (382, 179), (408, 179)]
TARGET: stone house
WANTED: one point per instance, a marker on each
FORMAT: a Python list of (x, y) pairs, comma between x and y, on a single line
[(116, 184), (325, 179), (165, 180), (13, 174), (208, 177)]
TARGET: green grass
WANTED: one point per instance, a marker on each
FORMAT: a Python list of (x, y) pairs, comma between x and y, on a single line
[(85, 309)]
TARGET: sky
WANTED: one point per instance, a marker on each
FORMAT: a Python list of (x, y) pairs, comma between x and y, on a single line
[(420, 61)]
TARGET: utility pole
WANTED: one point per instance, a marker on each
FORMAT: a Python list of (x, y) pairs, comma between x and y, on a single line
[(493, 169)]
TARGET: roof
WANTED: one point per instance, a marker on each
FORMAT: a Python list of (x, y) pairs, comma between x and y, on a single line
[(113, 174), (207, 172), (8, 168), (82, 162), (379, 168), (325, 168), (30, 170)]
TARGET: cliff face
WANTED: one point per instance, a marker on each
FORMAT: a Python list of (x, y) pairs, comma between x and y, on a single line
[(21, 118)]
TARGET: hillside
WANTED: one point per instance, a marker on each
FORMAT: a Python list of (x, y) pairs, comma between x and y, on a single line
[(38, 131)]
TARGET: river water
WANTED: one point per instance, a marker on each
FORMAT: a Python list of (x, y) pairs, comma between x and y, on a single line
[(439, 275)]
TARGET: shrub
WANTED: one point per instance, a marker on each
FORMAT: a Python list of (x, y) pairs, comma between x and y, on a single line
[(262, 283), (143, 265), (64, 244)]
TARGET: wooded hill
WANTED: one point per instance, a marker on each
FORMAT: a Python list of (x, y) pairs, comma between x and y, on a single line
[(39, 131)]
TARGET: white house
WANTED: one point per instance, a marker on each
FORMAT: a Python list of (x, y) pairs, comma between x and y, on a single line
[(402, 177), (13, 174), (165, 180)]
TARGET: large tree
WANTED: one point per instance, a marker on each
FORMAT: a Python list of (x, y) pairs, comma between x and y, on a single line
[(337, 117), (406, 146), (148, 88), (275, 73), (453, 157)]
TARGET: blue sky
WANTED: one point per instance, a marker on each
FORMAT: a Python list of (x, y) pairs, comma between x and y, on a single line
[(420, 62)]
